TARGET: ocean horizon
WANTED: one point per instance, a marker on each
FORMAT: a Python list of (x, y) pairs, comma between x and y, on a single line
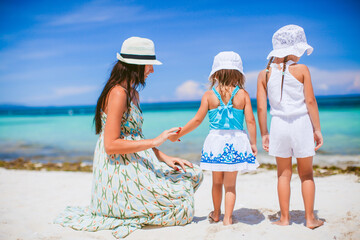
[(67, 133)]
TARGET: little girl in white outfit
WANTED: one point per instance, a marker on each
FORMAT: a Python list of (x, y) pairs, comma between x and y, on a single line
[(227, 149), (295, 118)]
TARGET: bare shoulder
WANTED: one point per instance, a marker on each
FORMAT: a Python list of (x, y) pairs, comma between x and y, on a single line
[(261, 76), (299, 67), (240, 98), (208, 94), (242, 93), (117, 95)]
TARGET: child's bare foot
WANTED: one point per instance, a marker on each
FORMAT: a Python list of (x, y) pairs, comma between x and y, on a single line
[(282, 222), (227, 221), (314, 223), (214, 217)]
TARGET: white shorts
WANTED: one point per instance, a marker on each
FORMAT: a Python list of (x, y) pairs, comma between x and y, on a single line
[(291, 137)]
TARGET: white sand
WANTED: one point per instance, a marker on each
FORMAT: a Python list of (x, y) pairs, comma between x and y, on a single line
[(30, 201)]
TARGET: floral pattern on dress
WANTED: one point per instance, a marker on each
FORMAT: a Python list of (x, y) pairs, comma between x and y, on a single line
[(133, 190), (228, 156)]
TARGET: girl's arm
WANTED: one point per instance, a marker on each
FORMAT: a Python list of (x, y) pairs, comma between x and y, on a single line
[(250, 122), (312, 106), (116, 107), (195, 121), (261, 97)]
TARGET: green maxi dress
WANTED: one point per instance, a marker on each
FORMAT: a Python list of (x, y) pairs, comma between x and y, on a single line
[(133, 190)]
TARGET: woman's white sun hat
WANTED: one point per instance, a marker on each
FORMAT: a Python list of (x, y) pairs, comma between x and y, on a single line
[(289, 40), (227, 60), (140, 51)]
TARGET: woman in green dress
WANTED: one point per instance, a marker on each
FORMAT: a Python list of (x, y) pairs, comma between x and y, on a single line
[(134, 183)]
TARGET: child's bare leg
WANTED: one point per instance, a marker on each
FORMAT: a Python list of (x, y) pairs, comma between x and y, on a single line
[(305, 170), (284, 172), (217, 186), (230, 196)]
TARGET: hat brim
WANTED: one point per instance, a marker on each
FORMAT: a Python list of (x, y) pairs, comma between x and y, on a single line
[(297, 50), (225, 67), (138, 61)]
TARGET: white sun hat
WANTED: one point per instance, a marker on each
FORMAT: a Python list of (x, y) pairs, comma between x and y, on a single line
[(289, 40), (227, 60), (140, 51)]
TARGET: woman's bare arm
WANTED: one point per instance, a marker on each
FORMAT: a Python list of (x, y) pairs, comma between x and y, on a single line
[(116, 107)]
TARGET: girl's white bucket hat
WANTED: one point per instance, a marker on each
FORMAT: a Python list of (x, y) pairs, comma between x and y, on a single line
[(227, 60), (289, 40), (140, 51)]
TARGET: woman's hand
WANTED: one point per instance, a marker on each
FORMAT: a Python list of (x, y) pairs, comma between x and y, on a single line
[(164, 136), (175, 138), (174, 162), (254, 149), (265, 142), (318, 138)]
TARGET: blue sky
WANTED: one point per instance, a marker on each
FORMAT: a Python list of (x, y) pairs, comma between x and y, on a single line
[(61, 52)]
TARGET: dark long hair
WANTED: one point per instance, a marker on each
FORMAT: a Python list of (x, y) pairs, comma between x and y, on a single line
[(130, 74)]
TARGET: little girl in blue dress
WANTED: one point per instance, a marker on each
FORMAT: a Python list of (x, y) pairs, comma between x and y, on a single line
[(227, 149)]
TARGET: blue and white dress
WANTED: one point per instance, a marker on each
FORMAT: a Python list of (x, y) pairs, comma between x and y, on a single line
[(227, 147)]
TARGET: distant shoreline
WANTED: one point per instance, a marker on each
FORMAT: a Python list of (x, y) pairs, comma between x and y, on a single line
[(324, 102), (22, 164)]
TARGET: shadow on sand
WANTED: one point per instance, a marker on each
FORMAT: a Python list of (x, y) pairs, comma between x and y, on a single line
[(296, 216), (248, 216)]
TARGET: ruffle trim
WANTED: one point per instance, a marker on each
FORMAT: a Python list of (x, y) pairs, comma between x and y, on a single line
[(241, 167)]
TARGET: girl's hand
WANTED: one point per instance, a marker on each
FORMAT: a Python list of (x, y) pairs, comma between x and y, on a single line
[(164, 136), (318, 138), (173, 162), (175, 138), (265, 142), (254, 149)]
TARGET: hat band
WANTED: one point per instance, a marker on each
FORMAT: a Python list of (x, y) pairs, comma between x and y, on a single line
[(133, 56)]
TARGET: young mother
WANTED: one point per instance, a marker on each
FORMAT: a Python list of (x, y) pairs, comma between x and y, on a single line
[(134, 183)]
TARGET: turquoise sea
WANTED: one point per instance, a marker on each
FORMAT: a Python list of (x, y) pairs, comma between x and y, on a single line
[(67, 133)]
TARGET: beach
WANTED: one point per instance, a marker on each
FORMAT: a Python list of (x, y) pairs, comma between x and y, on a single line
[(46, 162), (30, 200)]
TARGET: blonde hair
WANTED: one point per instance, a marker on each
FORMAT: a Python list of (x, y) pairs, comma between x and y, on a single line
[(226, 78)]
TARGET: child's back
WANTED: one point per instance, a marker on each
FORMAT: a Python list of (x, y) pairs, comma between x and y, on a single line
[(295, 120), (226, 149), (286, 99), (238, 100), (226, 112)]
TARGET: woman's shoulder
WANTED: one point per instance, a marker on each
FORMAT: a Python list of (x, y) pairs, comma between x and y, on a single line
[(117, 91)]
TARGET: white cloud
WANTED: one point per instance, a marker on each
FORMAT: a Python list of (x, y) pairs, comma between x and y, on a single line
[(39, 54), (73, 90), (190, 90), (104, 12), (61, 92), (356, 83), (336, 82), (323, 86)]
